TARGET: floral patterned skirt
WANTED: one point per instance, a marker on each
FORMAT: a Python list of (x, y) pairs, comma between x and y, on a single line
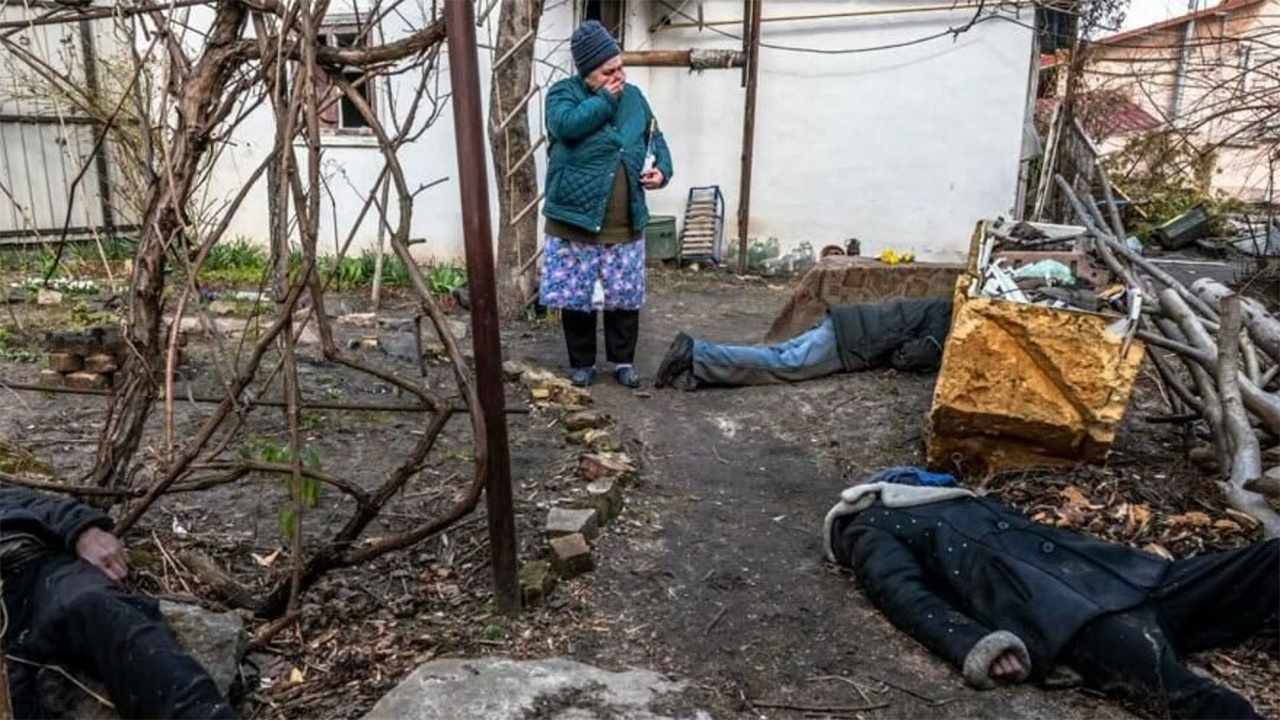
[(570, 270)]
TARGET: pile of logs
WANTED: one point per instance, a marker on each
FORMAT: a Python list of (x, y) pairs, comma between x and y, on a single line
[(1229, 347)]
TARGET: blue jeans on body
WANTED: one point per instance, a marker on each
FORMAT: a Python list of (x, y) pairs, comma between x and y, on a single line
[(809, 355)]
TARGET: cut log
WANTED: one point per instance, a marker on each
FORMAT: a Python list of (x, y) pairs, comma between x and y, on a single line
[(1246, 454), (1263, 327)]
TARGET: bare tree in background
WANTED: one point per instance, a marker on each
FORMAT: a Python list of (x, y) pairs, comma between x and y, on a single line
[(513, 149)]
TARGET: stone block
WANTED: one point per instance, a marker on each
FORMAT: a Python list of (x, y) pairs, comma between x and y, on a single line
[(222, 307), (88, 342), (568, 521), (571, 556), (585, 420), (606, 466), (101, 364), (1025, 385), (605, 498), (65, 362), (45, 296), (51, 378), (87, 381), (537, 581)]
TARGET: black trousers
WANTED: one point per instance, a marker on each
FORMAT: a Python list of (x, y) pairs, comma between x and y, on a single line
[(621, 330), (1203, 603), (64, 611)]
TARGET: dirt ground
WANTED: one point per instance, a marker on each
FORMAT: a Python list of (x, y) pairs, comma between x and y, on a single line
[(713, 574)]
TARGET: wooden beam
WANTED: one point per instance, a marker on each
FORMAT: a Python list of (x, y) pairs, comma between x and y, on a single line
[(748, 137)]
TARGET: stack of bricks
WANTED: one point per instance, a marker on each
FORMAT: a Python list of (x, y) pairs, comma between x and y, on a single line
[(84, 360)]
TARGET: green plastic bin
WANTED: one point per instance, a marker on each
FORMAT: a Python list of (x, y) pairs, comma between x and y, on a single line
[(660, 242)]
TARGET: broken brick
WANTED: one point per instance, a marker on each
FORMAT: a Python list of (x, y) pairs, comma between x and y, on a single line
[(537, 581), (65, 362), (602, 466), (585, 420), (50, 378), (571, 556), (604, 497), (569, 521), (100, 364), (86, 381)]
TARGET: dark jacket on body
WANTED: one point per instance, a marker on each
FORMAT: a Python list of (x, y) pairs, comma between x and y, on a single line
[(32, 522), (970, 578), (905, 334)]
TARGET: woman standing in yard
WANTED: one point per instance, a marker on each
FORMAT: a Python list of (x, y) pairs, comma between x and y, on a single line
[(605, 151)]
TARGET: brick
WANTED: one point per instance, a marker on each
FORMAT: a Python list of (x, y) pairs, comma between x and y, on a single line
[(537, 580), (100, 364), (571, 556), (601, 466), (568, 521), (45, 296), (65, 362), (585, 420), (605, 497), (51, 378), (89, 342), (87, 381)]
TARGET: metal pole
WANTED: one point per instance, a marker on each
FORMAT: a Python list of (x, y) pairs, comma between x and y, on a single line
[(473, 182), (748, 136)]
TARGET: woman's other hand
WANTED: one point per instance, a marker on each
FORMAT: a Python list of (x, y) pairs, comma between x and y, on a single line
[(652, 179)]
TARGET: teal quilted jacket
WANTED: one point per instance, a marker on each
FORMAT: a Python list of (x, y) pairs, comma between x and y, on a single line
[(589, 134)]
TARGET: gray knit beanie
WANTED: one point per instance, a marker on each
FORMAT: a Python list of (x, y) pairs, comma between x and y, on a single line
[(592, 46)]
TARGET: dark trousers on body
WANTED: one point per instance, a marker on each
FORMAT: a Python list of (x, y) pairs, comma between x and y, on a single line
[(64, 611), (621, 330), (1206, 602)]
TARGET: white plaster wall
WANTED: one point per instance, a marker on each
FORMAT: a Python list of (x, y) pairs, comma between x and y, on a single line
[(903, 148)]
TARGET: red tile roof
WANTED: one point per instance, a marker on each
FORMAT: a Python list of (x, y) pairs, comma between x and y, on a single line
[(1122, 117)]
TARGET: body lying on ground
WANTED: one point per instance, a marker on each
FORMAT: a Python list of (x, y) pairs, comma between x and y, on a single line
[(904, 334), (1004, 598), (60, 566)]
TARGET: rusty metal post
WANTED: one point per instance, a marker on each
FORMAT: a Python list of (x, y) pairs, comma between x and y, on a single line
[(473, 182), (748, 136)]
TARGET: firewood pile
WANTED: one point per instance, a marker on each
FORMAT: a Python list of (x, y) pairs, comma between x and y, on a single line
[(1221, 354)]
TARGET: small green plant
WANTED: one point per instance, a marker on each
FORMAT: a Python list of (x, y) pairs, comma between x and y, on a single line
[(312, 421), (13, 348), (444, 279), (308, 491), (239, 262)]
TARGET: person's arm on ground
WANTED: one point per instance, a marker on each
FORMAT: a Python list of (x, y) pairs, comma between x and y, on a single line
[(571, 119), (921, 355), (897, 585), (80, 528)]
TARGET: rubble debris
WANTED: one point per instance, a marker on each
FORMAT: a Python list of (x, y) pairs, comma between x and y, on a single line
[(362, 320), (1183, 230), (570, 521), (571, 556)]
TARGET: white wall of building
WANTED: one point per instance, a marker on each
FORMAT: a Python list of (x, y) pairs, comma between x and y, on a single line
[(901, 148)]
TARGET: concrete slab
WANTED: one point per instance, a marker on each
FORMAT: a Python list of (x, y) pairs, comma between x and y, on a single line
[(498, 688)]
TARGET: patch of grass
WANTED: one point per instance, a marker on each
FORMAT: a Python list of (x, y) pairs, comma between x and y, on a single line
[(312, 421), (13, 346)]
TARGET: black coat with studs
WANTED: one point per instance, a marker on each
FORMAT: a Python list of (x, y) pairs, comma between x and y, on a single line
[(948, 573)]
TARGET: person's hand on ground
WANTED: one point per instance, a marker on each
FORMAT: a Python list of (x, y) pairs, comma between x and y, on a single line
[(1007, 668), (652, 179), (104, 551)]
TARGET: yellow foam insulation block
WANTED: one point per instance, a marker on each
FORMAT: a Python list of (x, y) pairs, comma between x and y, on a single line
[(1024, 385)]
